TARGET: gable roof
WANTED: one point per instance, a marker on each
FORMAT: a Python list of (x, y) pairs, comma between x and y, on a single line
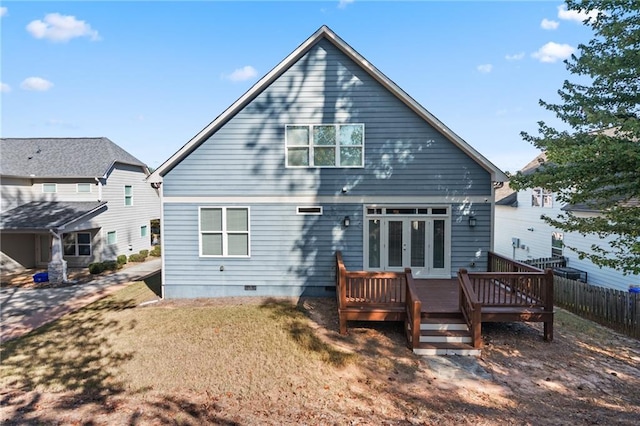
[(323, 33), (61, 157), (506, 196), (43, 215)]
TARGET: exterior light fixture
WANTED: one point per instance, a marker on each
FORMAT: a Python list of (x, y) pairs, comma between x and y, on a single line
[(347, 221), (472, 221)]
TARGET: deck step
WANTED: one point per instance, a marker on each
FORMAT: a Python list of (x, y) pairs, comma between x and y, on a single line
[(445, 336), (432, 349), (443, 324)]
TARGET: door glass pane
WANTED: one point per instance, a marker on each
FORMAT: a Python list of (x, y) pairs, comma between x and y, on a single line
[(395, 244), (374, 243), (418, 243), (438, 244)]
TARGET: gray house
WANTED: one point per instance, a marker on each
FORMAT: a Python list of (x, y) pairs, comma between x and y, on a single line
[(324, 153), (72, 201)]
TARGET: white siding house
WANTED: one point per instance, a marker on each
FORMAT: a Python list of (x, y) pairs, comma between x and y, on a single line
[(521, 234)]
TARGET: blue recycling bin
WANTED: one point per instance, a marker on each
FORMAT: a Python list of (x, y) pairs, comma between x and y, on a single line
[(41, 277)]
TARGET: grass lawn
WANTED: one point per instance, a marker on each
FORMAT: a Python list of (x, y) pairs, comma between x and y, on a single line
[(264, 361)]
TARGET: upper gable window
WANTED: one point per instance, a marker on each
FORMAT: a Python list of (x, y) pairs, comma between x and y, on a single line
[(325, 145), (49, 188), (541, 198)]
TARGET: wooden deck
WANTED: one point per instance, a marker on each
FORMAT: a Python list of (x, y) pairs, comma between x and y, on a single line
[(510, 291)]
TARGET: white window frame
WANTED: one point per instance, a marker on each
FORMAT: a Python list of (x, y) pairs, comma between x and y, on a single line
[(557, 236), (541, 197), (311, 146), (115, 238), (55, 187), (225, 233), (78, 186), (300, 210), (130, 196), (77, 245)]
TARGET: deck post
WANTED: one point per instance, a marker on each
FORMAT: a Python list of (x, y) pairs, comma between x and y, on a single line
[(341, 283), (548, 324)]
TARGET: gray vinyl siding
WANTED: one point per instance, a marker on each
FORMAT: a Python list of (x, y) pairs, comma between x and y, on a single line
[(126, 220), (17, 251), (291, 254), (15, 192), (404, 155)]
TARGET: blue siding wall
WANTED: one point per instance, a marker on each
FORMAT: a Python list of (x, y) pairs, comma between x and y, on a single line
[(404, 155), (294, 254)]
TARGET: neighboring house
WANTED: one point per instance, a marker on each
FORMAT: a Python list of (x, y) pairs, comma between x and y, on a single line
[(85, 198), (324, 153), (522, 235)]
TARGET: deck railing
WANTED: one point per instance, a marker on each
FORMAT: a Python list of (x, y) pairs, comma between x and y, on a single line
[(414, 309), (369, 295), (498, 263), (471, 308), (513, 289)]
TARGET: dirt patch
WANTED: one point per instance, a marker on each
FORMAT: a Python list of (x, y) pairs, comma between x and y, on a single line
[(588, 375)]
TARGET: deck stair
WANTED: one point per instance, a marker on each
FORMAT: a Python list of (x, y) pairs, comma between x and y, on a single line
[(445, 335)]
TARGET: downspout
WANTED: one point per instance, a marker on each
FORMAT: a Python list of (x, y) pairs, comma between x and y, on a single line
[(99, 182)]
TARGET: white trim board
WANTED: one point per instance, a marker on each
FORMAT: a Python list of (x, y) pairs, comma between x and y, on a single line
[(328, 199)]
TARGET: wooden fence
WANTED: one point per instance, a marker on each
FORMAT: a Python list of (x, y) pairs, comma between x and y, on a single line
[(619, 310)]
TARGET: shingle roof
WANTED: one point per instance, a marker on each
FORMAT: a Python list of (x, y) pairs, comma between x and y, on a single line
[(61, 157), (43, 215), (506, 196)]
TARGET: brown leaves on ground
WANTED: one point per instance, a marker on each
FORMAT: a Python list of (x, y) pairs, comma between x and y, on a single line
[(588, 375)]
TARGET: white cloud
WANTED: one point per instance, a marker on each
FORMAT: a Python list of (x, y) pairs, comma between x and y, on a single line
[(548, 24), (61, 28), (515, 57), (36, 84), (241, 74), (5, 88), (574, 15), (3, 11), (344, 3), (552, 52), (485, 68)]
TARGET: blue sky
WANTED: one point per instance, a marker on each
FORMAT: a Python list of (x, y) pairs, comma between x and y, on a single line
[(150, 75)]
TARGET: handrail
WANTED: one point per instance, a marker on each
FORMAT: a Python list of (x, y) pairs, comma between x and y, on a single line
[(414, 309), (471, 308), (514, 289), (341, 281), (499, 263)]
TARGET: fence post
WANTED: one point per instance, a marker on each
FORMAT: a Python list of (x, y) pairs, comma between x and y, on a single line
[(548, 324)]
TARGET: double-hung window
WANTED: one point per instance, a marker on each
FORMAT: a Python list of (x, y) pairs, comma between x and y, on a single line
[(77, 244), (557, 243), (224, 231), (541, 198), (128, 195), (325, 145)]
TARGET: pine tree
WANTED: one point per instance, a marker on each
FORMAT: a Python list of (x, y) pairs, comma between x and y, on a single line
[(597, 162)]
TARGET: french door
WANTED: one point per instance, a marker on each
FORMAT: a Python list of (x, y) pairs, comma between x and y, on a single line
[(419, 242)]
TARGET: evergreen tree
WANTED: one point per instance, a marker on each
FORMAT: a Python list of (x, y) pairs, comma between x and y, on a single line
[(597, 162)]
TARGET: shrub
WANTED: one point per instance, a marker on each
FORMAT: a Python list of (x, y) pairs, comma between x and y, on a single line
[(122, 259), (136, 258), (156, 251), (144, 253), (96, 268), (111, 265)]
